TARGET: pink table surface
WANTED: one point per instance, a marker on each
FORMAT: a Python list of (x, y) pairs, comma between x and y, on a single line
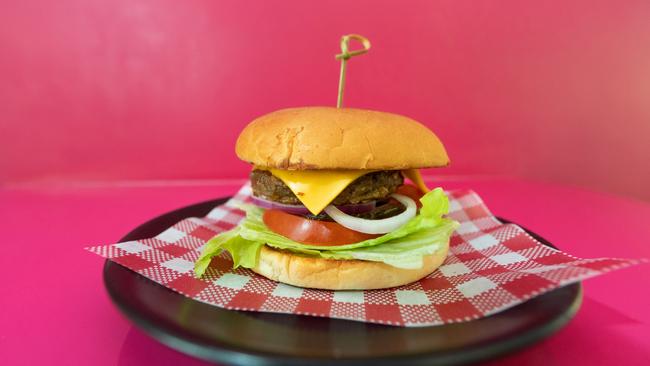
[(54, 309)]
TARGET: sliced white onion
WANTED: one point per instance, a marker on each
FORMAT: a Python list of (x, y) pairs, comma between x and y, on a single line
[(375, 226)]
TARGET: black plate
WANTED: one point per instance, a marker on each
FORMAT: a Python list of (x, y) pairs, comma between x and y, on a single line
[(250, 338)]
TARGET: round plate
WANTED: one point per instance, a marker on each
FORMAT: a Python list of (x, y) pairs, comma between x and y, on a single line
[(251, 338)]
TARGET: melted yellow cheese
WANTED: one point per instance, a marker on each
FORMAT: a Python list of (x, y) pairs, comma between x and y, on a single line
[(317, 188), (416, 178)]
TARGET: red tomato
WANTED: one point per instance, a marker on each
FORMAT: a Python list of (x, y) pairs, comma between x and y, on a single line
[(307, 231), (412, 192)]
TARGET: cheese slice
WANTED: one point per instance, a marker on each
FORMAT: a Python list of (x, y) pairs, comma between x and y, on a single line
[(416, 178), (317, 188)]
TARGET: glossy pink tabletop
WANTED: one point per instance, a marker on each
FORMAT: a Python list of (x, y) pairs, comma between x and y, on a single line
[(54, 309)]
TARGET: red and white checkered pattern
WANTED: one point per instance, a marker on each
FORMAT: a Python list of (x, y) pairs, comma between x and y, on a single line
[(491, 267)]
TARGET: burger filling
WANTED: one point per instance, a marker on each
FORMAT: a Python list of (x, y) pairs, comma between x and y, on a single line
[(367, 197), (365, 206), (401, 228)]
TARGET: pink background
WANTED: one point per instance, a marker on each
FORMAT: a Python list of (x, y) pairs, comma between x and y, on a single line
[(112, 90), (102, 103)]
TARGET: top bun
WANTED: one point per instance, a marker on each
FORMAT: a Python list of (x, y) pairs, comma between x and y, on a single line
[(339, 138)]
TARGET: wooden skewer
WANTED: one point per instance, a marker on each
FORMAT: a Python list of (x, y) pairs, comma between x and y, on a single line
[(345, 55)]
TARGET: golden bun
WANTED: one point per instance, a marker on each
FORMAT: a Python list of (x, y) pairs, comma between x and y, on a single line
[(339, 138), (330, 274)]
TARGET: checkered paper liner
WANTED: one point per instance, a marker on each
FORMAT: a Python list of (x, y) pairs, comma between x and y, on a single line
[(491, 267)]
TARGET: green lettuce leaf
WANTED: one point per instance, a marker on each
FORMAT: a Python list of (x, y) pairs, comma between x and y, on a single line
[(243, 252), (405, 247)]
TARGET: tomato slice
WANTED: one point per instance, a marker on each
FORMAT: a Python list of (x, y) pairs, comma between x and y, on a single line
[(412, 192), (307, 231)]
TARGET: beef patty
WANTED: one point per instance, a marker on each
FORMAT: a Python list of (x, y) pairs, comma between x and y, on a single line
[(369, 187)]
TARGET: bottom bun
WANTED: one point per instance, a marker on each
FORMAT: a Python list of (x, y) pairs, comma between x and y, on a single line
[(331, 274)]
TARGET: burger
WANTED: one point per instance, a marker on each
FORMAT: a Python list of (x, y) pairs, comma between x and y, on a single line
[(338, 201)]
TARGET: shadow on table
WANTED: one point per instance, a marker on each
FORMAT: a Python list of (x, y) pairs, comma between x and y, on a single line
[(140, 349), (600, 335)]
